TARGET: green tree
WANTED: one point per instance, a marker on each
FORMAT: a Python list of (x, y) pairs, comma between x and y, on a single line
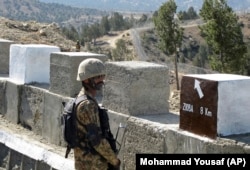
[(203, 53), (104, 26), (71, 33), (190, 14), (143, 19), (121, 52), (224, 36), (116, 21), (197, 61), (95, 31), (169, 31), (86, 33)]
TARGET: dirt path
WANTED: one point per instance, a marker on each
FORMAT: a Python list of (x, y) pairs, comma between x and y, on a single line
[(111, 39)]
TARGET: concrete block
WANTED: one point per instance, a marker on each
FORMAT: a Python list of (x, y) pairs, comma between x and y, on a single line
[(42, 165), (28, 163), (215, 104), (142, 136), (30, 63), (52, 118), (2, 96), (118, 126), (136, 88), (15, 161), (32, 108), (179, 142), (63, 71), (24, 152), (5, 55), (12, 99), (4, 155)]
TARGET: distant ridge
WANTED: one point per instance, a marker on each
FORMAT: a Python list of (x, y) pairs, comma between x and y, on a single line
[(145, 5)]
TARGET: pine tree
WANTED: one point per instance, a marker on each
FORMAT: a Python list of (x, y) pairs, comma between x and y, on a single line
[(169, 31), (224, 36)]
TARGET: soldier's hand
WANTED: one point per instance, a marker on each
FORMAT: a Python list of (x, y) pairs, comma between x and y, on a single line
[(117, 165)]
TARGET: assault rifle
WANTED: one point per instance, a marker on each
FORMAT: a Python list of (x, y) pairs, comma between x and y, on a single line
[(105, 127), (106, 132)]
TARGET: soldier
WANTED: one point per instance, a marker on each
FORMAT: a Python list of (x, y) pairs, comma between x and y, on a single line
[(94, 152), (78, 46)]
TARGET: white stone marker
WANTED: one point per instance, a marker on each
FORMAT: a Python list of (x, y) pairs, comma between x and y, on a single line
[(31, 63), (215, 104)]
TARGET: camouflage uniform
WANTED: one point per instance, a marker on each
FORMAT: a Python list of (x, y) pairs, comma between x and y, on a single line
[(85, 158)]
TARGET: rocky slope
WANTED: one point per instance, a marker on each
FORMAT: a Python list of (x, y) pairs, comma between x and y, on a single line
[(33, 32)]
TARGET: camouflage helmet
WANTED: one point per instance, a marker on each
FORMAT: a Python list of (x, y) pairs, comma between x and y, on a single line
[(90, 67)]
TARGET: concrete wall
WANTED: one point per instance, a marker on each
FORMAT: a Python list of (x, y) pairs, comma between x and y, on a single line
[(25, 152), (2, 95), (39, 110), (4, 55), (146, 136)]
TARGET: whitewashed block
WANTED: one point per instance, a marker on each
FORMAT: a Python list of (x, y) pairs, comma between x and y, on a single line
[(215, 104), (30, 63)]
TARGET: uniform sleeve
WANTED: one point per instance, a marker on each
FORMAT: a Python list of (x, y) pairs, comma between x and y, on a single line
[(87, 113)]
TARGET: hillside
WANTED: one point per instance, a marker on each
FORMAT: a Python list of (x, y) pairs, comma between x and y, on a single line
[(26, 10), (32, 32), (144, 6)]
